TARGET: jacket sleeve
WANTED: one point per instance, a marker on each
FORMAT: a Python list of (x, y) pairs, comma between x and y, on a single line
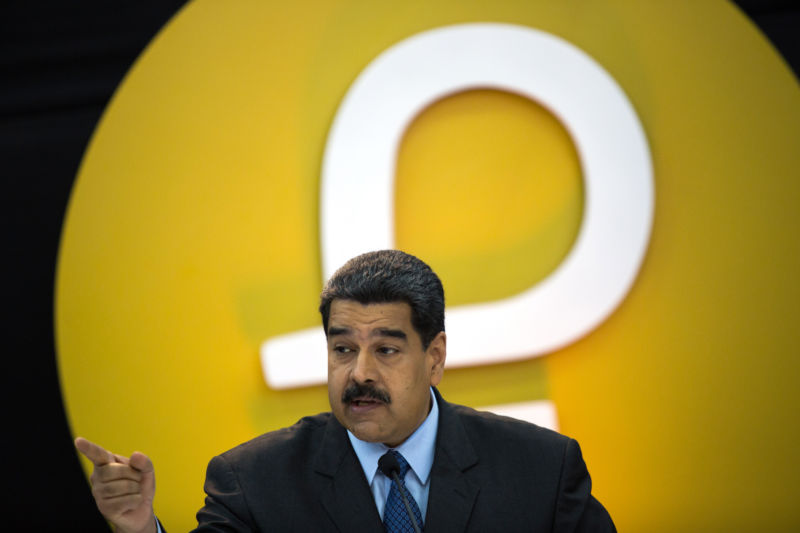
[(576, 509), (225, 507)]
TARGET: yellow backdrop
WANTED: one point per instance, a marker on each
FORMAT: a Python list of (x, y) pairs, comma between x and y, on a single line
[(192, 236)]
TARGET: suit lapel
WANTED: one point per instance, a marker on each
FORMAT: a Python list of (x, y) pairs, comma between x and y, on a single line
[(452, 494), (345, 493)]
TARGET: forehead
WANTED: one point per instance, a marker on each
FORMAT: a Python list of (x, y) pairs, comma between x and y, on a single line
[(354, 315)]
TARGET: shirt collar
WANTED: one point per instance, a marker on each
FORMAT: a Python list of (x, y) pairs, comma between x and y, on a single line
[(418, 449)]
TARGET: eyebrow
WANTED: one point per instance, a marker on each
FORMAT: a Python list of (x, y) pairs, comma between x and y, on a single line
[(380, 332), (386, 332), (333, 331)]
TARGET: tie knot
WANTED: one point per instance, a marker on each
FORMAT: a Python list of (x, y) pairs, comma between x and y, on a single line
[(401, 461)]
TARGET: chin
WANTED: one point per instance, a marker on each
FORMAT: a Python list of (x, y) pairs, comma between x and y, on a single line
[(365, 435)]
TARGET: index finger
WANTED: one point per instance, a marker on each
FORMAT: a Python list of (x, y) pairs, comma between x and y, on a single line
[(98, 455)]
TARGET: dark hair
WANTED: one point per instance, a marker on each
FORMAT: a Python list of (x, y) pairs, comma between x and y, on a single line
[(390, 276)]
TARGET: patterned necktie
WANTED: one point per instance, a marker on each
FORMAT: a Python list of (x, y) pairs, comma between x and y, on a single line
[(395, 517)]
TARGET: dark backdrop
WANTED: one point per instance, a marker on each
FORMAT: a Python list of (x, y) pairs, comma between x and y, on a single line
[(60, 62)]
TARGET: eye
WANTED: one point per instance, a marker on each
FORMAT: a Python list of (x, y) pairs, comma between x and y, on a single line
[(387, 350), (342, 349)]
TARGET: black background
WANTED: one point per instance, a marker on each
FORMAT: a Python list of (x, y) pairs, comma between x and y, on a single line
[(60, 62)]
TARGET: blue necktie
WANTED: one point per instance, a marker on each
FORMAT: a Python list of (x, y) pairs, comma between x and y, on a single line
[(395, 517)]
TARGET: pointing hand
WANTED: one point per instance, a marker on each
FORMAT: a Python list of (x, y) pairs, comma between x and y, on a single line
[(123, 487)]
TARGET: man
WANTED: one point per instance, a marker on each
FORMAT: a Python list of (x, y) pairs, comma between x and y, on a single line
[(443, 467)]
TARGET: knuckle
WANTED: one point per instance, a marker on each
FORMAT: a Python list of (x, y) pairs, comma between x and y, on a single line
[(103, 490), (132, 487), (101, 473)]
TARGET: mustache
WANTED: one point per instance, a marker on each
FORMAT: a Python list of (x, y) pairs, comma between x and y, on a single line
[(365, 390)]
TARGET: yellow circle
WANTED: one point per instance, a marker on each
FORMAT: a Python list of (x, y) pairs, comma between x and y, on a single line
[(192, 236)]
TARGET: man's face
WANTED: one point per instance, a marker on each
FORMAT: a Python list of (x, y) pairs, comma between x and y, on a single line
[(378, 374)]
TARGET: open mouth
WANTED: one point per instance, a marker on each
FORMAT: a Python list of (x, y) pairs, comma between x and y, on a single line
[(363, 402)]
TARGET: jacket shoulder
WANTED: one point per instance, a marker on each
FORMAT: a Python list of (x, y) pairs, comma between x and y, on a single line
[(298, 439), (487, 425), (504, 443)]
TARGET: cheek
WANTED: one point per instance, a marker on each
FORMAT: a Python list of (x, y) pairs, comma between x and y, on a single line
[(336, 369), (334, 380), (413, 381)]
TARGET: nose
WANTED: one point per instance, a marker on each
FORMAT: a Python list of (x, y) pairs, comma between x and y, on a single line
[(364, 368)]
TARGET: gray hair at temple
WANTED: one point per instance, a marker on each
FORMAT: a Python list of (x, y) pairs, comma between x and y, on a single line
[(389, 276)]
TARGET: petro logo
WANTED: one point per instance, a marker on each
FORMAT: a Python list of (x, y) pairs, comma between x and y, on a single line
[(358, 169)]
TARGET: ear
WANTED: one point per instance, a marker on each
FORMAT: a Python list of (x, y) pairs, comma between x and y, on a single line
[(437, 351)]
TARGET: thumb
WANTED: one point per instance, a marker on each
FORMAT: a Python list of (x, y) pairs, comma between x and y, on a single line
[(141, 462)]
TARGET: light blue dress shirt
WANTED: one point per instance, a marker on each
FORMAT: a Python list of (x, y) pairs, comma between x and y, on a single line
[(418, 451)]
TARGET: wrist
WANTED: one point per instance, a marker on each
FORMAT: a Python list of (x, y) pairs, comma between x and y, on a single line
[(152, 526)]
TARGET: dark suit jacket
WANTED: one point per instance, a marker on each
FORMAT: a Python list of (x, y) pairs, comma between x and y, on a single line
[(490, 473)]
